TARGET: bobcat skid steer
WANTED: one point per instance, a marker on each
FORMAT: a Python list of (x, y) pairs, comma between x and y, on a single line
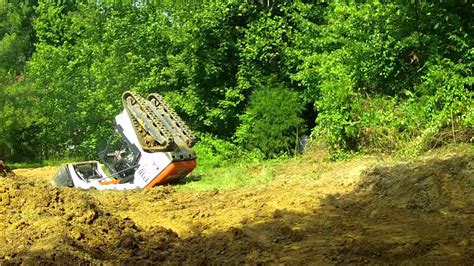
[(151, 146)]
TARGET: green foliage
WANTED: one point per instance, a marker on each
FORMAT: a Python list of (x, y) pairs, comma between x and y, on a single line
[(200, 63), (338, 104), (16, 38), (272, 121), (19, 121), (381, 77), (86, 57), (373, 76), (214, 152)]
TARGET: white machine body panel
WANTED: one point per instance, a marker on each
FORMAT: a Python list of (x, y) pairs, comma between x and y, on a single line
[(150, 164)]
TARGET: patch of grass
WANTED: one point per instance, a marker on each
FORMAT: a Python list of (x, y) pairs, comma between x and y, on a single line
[(229, 177), (247, 173)]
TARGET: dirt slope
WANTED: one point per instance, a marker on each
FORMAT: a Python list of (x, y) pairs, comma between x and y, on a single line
[(357, 211)]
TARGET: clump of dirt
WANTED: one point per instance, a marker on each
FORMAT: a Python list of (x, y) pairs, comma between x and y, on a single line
[(353, 213)]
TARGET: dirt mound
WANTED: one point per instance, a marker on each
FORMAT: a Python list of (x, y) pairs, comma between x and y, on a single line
[(419, 211), (69, 225), (434, 185), (334, 213)]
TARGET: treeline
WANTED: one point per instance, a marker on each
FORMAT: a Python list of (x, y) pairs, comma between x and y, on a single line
[(250, 77)]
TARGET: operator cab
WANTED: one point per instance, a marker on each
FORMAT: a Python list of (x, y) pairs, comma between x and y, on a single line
[(120, 157)]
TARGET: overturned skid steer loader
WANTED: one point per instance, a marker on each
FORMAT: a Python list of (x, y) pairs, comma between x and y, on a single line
[(151, 146)]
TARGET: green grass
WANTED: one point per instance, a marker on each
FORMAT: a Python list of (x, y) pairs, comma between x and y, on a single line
[(228, 177)]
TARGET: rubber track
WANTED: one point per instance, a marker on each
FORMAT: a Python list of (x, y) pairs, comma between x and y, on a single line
[(144, 135), (181, 130)]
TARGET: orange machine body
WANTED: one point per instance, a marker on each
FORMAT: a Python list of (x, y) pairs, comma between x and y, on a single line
[(175, 170)]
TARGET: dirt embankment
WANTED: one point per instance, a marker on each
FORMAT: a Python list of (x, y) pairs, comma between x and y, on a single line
[(356, 211)]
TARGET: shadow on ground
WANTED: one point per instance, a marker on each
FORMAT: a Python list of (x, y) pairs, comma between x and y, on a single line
[(417, 213)]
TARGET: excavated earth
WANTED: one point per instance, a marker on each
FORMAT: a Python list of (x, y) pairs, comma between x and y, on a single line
[(359, 211)]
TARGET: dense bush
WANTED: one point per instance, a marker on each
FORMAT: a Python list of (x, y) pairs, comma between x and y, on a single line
[(272, 122), (215, 152)]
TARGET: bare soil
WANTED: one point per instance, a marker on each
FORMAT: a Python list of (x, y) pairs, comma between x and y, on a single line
[(359, 211)]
